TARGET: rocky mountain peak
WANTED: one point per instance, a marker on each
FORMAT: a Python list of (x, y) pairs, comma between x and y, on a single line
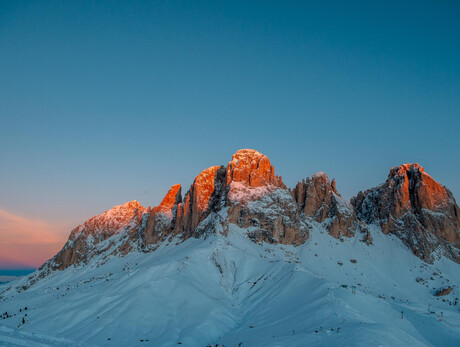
[(131, 204), (317, 198), (110, 222), (83, 241), (204, 186), (419, 210), (248, 194), (418, 189), (403, 169), (252, 169), (197, 202)]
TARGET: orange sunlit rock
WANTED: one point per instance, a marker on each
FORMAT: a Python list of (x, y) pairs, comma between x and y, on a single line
[(203, 187), (82, 239), (412, 205), (172, 198), (252, 169), (416, 189), (275, 217), (196, 204), (110, 222), (159, 222)]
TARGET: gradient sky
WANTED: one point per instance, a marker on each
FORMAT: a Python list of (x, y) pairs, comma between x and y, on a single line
[(105, 102)]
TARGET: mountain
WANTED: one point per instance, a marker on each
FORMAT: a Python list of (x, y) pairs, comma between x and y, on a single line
[(97, 235), (417, 209), (242, 260), (318, 198)]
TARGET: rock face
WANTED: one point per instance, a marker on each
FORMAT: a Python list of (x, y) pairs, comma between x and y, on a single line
[(367, 237), (171, 199), (317, 198), (159, 222), (258, 200), (417, 209), (84, 239), (273, 218), (181, 217), (252, 169), (197, 202), (108, 223), (247, 193)]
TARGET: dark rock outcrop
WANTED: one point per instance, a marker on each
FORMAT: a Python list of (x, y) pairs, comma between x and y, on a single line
[(317, 198), (443, 291), (367, 237)]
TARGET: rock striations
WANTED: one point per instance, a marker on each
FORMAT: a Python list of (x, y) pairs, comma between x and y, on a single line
[(247, 193), (259, 201), (196, 205), (317, 198), (252, 169), (159, 220), (415, 208)]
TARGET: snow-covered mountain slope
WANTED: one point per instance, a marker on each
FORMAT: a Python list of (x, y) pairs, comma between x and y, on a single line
[(229, 290), (241, 260), (410, 205)]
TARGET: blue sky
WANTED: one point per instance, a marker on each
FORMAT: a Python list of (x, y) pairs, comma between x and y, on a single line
[(105, 102)]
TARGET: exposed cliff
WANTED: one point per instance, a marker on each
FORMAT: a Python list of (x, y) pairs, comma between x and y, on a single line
[(417, 209)]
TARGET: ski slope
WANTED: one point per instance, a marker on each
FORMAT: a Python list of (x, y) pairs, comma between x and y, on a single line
[(230, 291)]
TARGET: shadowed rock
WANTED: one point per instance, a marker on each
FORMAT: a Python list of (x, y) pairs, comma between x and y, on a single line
[(258, 199), (317, 198), (197, 202), (159, 222)]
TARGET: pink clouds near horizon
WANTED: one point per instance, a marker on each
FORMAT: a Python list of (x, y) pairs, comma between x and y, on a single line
[(28, 242)]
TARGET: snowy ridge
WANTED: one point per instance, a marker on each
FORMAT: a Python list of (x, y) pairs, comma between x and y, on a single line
[(110, 222), (240, 192)]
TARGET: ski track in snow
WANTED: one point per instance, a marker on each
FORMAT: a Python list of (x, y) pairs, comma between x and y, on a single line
[(229, 290)]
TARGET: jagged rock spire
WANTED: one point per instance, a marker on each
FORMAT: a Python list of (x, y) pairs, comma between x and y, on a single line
[(317, 198), (196, 204), (159, 221), (171, 199), (247, 193)]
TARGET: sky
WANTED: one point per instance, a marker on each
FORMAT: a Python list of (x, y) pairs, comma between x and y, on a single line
[(105, 102)]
